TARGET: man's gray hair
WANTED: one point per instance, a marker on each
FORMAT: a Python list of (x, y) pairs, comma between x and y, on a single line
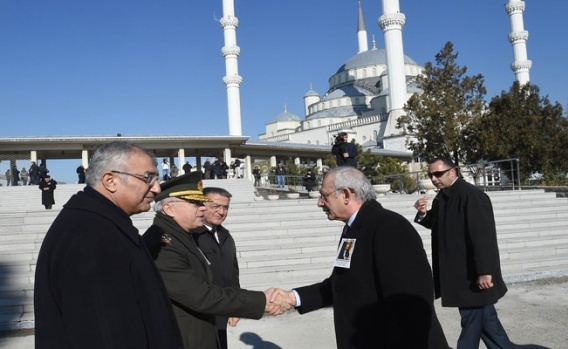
[(215, 190), (112, 156), (159, 206), (355, 180)]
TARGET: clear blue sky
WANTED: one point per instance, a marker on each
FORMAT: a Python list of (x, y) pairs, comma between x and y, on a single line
[(143, 67)]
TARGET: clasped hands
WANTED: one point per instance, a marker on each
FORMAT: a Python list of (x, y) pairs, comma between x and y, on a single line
[(278, 301)]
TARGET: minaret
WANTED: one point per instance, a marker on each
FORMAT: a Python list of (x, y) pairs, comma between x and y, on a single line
[(232, 80), (361, 31), (391, 22), (518, 38)]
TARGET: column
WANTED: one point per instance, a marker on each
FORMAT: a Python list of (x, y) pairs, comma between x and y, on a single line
[(181, 160), (248, 168), (85, 158)]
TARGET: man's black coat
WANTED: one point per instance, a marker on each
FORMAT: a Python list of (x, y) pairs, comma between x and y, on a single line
[(223, 258), (96, 285), (464, 246), (385, 299)]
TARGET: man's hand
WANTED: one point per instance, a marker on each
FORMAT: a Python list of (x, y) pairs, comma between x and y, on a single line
[(278, 301), (233, 321), (484, 282), (422, 205)]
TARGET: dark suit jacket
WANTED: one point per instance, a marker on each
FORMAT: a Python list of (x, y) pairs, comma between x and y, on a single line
[(346, 147), (385, 300), (223, 258), (464, 245), (96, 285), (189, 280)]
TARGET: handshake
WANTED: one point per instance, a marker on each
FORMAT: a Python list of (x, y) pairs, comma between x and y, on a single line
[(278, 301)]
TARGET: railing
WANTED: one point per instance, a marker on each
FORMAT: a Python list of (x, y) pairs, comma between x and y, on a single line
[(291, 182), (490, 175)]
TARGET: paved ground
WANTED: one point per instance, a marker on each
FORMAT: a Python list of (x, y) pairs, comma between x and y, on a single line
[(535, 315)]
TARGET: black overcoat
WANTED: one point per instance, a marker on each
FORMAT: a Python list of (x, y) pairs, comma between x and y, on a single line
[(464, 246), (385, 299), (96, 285), (189, 280), (47, 197), (223, 258)]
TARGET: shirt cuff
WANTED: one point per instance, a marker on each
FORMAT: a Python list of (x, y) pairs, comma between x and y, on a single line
[(297, 296)]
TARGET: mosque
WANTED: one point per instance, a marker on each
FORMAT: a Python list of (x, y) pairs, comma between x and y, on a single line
[(368, 91)]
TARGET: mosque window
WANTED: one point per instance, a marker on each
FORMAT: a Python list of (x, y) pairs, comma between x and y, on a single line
[(364, 73), (374, 71), (319, 123), (364, 138), (317, 142), (375, 134), (308, 123), (309, 142)]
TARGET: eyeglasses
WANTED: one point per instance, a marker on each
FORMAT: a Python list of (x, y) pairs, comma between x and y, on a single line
[(216, 207), (325, 196), (150, 178), (438, 174)]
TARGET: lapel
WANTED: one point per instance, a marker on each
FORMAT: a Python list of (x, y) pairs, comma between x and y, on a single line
[(184, 240)]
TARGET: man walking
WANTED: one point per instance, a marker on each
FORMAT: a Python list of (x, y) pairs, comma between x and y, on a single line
[(465, 255)]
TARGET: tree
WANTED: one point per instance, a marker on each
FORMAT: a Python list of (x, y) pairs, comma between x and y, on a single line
[(439, 117), (522, 124)]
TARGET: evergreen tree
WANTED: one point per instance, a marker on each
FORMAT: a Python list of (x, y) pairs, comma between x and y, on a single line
[(522, 124), (440, 116)]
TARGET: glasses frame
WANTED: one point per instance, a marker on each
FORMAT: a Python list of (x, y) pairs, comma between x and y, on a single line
[(438, 174), (150, 179), (325, 196)]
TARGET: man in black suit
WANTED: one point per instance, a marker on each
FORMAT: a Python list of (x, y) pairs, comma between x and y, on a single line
[(465, 255), (382, 294), (187, 272), (96, 285), (215, 241)]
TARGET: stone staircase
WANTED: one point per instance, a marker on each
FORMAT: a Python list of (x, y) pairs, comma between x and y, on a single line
[(283, 243)]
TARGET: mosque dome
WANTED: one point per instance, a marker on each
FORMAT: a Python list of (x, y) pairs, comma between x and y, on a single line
[(286, 116), (376, 56)]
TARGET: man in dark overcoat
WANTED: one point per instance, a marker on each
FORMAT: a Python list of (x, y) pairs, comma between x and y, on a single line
[(47, 187), (382, 293), (96, 285), (465, 255), (345, 152), (215, 241), (187, 272)]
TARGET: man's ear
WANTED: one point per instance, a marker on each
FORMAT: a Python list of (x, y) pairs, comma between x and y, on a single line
[(110, 181)]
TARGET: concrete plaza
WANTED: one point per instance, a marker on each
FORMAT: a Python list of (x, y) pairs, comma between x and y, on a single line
[(534, 313)]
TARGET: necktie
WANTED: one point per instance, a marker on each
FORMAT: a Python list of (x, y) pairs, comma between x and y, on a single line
[(345, 230), (215, 235)]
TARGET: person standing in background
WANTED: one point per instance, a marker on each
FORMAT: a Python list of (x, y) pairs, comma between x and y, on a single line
[(24, 175), (47, 186)]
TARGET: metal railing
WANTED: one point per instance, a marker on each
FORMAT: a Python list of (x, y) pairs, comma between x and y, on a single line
[(490, 175)]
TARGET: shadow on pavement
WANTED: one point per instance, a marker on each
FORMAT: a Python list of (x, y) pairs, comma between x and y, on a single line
[(257, 342)]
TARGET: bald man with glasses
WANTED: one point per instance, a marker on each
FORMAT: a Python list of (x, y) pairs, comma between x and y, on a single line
[(465, 255)]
